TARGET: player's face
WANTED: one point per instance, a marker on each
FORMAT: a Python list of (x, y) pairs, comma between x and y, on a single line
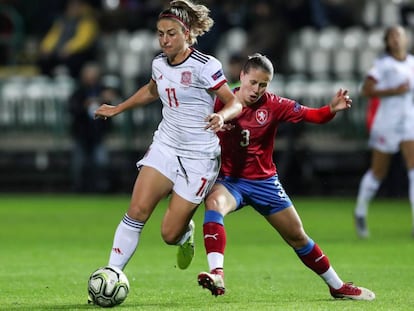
[(171, 37), (397, 40), (253, 84)]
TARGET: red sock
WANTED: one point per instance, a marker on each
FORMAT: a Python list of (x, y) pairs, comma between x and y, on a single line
[(316, 260), (214, 237)]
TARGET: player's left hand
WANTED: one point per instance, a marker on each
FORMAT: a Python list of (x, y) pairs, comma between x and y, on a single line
[(215, 122), (341, 101)]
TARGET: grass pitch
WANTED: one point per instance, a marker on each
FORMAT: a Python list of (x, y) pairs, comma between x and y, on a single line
[(51, 243)]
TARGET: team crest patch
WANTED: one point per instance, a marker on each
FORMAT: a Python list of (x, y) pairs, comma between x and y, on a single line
[(186, 78), (297, 107), (261, 116)]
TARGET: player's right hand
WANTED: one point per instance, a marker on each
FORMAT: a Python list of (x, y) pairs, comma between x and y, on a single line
[(105, 111)]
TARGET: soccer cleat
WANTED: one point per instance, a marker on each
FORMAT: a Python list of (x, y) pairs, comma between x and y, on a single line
[(350, 291), (213, 281), (361, 227), (185, 252)]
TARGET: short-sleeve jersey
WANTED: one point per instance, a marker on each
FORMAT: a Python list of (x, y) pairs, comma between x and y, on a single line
[(247, 149), (394, 116), (389, 72), (185, 91)]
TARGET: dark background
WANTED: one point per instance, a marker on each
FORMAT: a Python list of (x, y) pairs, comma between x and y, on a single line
[(328, 160)]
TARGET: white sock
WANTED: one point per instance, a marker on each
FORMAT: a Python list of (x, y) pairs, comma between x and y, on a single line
[(367, 189), (215, 260), (185, 237), (411, 191), (332, 279), (125, 241)]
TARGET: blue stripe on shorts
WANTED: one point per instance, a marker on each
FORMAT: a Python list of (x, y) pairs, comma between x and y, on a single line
[(265, 196)]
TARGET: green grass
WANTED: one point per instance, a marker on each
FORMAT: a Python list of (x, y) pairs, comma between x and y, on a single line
[(51, 243)]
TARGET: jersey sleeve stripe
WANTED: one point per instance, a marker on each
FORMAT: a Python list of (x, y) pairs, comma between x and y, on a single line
[(217, 86)]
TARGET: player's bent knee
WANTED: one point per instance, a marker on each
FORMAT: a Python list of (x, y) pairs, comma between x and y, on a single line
[(211, 203), (169, 237), (220, 205)]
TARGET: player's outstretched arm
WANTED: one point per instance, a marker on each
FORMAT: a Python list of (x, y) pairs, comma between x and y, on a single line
[(340, 101), (143, 96)]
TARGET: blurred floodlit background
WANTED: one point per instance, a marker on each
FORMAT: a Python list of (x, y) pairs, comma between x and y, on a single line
[(316, 46)]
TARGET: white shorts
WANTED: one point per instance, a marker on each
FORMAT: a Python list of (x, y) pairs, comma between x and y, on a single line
[(387, 135), (192, 178)]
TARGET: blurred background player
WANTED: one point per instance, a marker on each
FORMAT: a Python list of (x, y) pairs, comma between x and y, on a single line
[(391, 79), (248, 176), (183, 159), (90, 158)]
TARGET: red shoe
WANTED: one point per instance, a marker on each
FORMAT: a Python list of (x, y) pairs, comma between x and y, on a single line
[(213, 281), (349, 291)]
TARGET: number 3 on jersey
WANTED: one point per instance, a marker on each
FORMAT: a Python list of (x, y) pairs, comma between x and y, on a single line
[(245, 141), (172, 97)]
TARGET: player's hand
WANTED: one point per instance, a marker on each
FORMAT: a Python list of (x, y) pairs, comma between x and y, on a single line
[(215, 122), (402, 88), (227, 127), (341, 101), (105, 111)]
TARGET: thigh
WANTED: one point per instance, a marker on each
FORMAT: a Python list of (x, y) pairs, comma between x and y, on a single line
[(407, 150), (380, 163), (150, 188)]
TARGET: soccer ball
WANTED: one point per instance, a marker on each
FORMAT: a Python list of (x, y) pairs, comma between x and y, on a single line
[(107, 287)]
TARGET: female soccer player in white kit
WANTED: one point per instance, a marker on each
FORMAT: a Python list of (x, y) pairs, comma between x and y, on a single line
[(183, 158), (391, 79)]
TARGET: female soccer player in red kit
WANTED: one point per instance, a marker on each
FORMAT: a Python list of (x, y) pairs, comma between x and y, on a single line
[(248, 176)]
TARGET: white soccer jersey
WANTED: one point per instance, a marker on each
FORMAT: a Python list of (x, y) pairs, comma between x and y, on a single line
[(394, 119), (187, 99)]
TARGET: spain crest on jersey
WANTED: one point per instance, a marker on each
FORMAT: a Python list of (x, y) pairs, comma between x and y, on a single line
[(186, 78), (261, 116)]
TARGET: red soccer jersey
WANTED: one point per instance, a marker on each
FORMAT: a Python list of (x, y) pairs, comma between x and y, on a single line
[(247, 149)]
